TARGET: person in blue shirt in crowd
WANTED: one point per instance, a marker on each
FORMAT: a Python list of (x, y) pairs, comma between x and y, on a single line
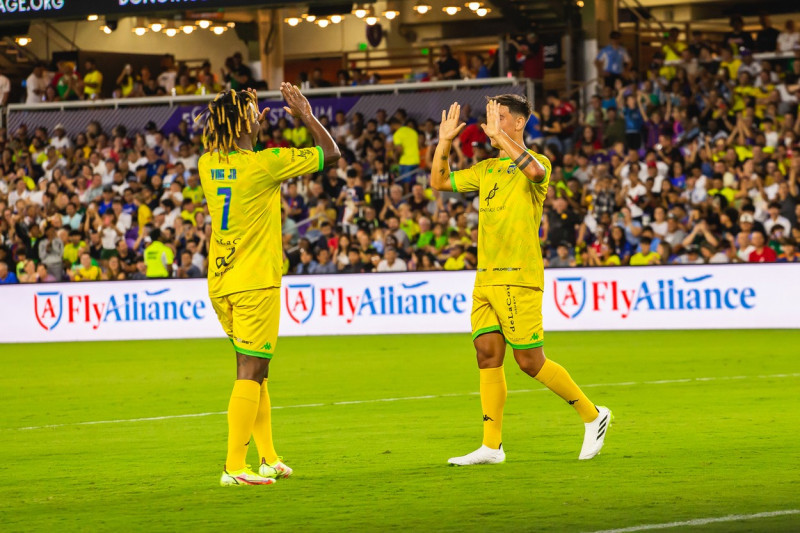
[(6, 277), (633, 112), (612, 60)]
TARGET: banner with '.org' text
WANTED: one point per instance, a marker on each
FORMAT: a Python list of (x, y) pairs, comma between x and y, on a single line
[(623, 298)]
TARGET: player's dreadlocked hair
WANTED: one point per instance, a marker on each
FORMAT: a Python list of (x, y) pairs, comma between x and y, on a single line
[(229, 114)]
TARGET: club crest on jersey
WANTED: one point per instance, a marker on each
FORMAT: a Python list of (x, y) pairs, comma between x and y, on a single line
[(48, 308), (299, 301), (569, 295)]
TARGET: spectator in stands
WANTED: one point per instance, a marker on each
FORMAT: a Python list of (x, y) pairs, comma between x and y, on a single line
[(323, 265), (405, 141), (613, 60), (761, 252), (168, 76), (36, 84), (6, 277), (87, 270), (447, 66), (391, 262), (767, 38), (92, 80), (51, 252), (65, 82), (738, 39), (789, 38)]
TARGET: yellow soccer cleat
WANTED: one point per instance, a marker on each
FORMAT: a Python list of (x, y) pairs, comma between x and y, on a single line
[(245, 476), (274, 471)]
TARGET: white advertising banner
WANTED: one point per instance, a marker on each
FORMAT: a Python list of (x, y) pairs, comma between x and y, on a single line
[(680, 297)]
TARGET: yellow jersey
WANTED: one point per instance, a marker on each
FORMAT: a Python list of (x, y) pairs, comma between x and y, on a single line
[(409, 140), (243, 193), (511, 207)]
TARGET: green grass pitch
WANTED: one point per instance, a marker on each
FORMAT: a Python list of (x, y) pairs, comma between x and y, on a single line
[(681, 448)]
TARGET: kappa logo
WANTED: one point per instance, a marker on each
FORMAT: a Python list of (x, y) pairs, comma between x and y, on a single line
[(491, 194), (300, 301), (570, 296), (48, 307)]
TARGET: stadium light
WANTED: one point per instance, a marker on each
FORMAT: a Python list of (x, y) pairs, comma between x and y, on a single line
[(336, 19), (391, 14), (309, 18), (187, 29), (292, 21), (579, 3), (171, 32), (451, 10), (474, 6), (218, 30), (323, 23), (371, 20), (105, 29), (92, 18), (139, 30), (482, 11), (156, 27), (360, 12), (23, 41), (422, 8), (203, 24), (231, 25)]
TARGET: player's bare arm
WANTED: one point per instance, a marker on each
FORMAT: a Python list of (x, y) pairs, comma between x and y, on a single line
[(449, 129), (499, 122), (297, 105)]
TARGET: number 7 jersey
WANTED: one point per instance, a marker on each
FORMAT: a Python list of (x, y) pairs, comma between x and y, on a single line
[(243, 192)]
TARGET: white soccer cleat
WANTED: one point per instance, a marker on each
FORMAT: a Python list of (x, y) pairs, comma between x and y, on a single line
[(245, 476), (595, 434), (482, 456), (276, 471)]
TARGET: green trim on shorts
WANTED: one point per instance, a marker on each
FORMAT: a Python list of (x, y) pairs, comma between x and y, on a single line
[(321, 158), (525, 346), (490, 329), (263, 355), (453, 182)]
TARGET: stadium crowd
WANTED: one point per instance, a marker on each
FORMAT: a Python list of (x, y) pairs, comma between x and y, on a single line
[(693, 161)]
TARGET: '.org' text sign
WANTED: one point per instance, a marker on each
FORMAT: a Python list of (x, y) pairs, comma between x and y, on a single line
[(691, 297)]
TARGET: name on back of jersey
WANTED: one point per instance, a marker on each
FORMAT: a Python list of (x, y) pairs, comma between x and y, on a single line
[(218, 174)]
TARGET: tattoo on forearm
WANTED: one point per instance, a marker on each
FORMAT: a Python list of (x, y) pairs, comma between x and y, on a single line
[(441, 172), (444, 157)]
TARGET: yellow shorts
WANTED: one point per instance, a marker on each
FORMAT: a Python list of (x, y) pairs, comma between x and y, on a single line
[(250, 319), (515, 312)]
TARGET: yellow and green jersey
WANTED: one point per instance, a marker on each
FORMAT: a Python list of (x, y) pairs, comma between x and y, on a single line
[(509, 252), (243, 193)]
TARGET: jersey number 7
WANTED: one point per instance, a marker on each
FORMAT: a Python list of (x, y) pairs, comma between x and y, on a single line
[(226, 192)]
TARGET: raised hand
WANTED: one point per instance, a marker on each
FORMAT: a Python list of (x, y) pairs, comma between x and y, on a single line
[(297, 104), (492, 126), (450, 127)]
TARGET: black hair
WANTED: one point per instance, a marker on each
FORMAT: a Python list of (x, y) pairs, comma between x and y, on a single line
[(516, 104)]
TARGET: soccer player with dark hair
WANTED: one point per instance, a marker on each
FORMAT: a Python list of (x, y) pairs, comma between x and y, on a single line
[(507, 300), (243, 191)]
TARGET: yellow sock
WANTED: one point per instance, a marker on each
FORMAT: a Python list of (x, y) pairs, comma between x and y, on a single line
[(242, 411), (557, 379), (493, 399), (262, 429)]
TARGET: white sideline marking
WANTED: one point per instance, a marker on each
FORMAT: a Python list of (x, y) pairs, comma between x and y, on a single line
[(426, 397), (701, 521)]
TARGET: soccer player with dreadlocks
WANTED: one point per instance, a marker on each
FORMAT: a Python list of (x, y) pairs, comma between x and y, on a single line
[(243, 191)]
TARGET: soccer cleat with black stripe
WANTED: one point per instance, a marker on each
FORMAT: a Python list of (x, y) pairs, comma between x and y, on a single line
[(595, 434)]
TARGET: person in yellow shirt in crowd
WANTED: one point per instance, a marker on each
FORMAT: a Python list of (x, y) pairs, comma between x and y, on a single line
[(92, 80), (86, 271), (646, 256), (298, 135), (673, 50), (456, 259), (185, 86), (730, 63), (406, 148), (73, 247), (189, 211), (193, 191), (158, 257)]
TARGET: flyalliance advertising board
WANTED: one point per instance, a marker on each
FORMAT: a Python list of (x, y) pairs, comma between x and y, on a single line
[(626, 298)]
